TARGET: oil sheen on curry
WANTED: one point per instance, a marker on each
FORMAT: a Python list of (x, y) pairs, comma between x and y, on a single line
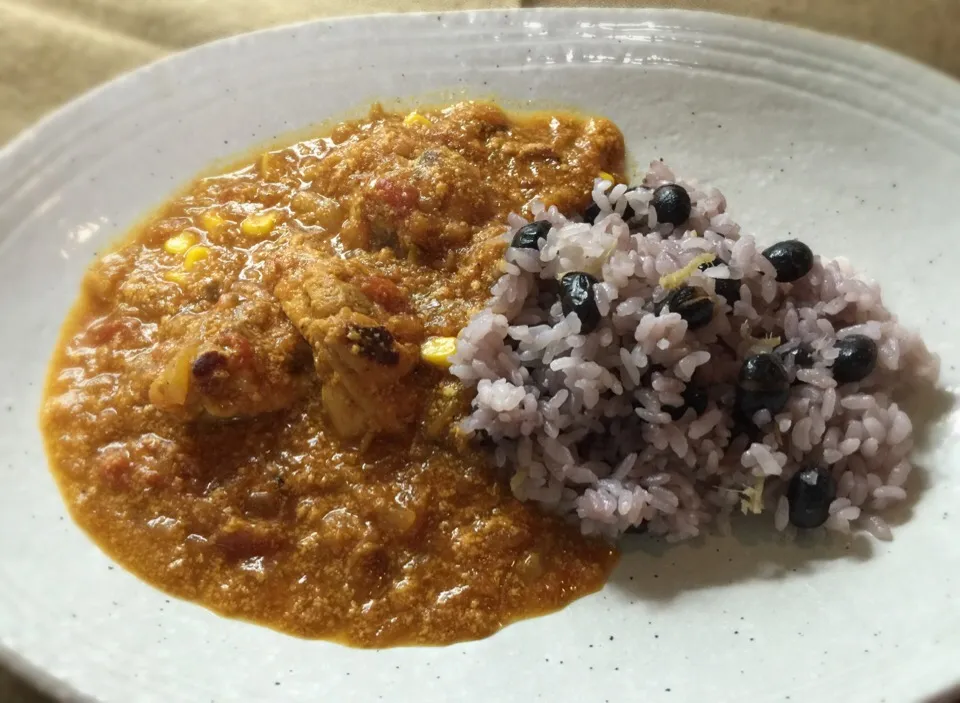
[(249, 406)]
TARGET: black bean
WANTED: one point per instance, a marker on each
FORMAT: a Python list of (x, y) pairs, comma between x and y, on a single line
[(675, 412), (628, 213), (529, 236), (810, 493), (577, 296), (792, 259), (801, 355), (592, 212), (856, 360), (694, 397), (763, 384), (672, 203), (692, 303), (727, 288)]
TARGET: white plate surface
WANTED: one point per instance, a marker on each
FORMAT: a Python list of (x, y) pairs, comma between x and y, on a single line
[(850, 148)]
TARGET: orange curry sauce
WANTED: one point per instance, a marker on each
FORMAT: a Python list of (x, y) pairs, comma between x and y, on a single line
[(238, 413)]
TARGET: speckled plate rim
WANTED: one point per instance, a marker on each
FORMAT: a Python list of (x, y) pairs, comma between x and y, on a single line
[(905, 79)]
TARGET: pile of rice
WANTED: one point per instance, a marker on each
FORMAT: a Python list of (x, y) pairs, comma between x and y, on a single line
[(578, 420)]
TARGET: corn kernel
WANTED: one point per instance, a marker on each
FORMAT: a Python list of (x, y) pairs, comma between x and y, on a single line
[(212, 221), (438, 350), (178, 244), (194, 256), (260, 224), (607, 177), (178, 277), (416, 118)]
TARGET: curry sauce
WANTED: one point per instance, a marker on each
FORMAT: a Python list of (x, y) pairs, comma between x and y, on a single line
[(238, 410)]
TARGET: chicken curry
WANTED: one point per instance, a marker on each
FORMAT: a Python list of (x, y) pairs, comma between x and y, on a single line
[(241, 410)]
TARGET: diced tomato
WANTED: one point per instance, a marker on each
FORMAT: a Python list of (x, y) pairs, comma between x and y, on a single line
[(399, 197)]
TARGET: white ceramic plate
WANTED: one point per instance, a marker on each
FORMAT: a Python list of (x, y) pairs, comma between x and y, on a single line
[(853, 149)]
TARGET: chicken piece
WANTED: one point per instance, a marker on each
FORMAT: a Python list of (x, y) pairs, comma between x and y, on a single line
[(242, 357), (362, 351)]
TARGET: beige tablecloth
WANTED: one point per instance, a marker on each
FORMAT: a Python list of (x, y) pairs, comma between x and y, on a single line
[(53, 50)]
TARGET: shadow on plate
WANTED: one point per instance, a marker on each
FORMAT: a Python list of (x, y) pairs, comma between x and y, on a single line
[(652, 568), (926, 406)]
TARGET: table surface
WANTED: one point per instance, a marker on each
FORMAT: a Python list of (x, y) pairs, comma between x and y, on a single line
[(76, 44)]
